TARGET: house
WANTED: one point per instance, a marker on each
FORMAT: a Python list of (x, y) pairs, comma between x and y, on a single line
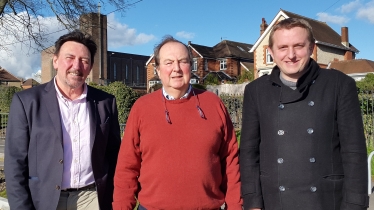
[(329, 45), (29, 83), (226, 61), (8, 79), (109, 66), (357, 69)]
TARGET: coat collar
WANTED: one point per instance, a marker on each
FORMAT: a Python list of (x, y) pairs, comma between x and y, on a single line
[(288, 95)]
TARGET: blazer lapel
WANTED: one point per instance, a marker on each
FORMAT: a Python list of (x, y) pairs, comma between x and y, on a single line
[(92, 110), (49, 100)]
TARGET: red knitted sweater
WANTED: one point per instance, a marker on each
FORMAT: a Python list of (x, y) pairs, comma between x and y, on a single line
[(191, 163)]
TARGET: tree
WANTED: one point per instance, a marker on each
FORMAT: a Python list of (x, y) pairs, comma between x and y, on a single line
[(211, 79), (366, 84), (22, 18), (125, 97), (246, 76), (6, 95)]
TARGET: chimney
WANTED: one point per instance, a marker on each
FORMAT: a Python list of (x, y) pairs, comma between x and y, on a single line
[(189, 43), (263, 26), (345, 40)]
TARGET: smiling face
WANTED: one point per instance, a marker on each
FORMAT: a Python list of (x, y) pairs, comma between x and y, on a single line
[(174, 68), (73, 64), (291, 52)]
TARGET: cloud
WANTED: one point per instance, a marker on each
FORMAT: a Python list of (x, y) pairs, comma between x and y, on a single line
[(353, 5), (120, 35), (325, 17), (367, 12), (185, 35), (21, 59)]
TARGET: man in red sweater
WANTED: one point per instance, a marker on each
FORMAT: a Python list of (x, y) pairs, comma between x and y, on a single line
[(179, 149)]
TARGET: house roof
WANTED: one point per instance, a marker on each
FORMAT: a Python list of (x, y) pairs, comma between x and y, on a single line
[(221, 75), (30, 82), (228, 48), (323, 33), (224, 49), (5, 76), (353, 66), (203, 51), (247, 65)]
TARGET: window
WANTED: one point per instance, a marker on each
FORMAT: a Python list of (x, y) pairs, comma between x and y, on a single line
[(240, 48), (137, 74), (269, 59), (126, 72), (115, 72), (206, 64), (223, 64), (193, 81), (154, 69), (194, 66)]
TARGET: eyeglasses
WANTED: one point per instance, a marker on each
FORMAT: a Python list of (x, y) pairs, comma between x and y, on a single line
[(200, 111)]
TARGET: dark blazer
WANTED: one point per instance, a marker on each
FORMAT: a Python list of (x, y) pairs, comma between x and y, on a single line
[(34, 150), (304, 148)]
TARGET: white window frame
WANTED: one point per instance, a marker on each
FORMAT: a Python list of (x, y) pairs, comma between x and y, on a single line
[(269, 59), (193, 81), (222, 64), (194, 64)]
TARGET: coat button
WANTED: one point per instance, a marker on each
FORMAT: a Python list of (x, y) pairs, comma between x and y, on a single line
[(313, 81), (57, 187), (61, 161), (281, 106), (311, 103), (281, 132), (310, 130), (312, 160), (282, 188), (280, 160), (313, 189)]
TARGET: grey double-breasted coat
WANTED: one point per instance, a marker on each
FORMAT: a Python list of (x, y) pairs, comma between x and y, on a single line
[(304, 148)]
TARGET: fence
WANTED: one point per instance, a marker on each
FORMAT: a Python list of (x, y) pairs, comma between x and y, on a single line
[(234, 105)]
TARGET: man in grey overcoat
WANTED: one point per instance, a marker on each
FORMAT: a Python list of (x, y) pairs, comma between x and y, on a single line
[(302, 140)]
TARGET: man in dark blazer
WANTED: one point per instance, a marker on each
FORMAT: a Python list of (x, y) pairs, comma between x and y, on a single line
[(302, 141), (63, 137)]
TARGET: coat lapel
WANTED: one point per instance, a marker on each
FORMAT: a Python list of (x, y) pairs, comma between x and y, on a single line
[(92, 110), (51, 103)]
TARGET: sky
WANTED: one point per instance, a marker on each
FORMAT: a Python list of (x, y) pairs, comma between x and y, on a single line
[(206, 22)]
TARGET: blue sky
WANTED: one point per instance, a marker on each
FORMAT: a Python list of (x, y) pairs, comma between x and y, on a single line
[(206, 22)]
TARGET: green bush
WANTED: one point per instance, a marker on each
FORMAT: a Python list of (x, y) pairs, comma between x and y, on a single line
[(6, 95), (199, 86), (125, 97)]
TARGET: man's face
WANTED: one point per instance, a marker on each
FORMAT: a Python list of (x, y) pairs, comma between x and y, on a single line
[(73, 64), (174, 68), (291, 52)]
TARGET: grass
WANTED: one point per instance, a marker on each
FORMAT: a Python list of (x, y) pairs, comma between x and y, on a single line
[(3, 194)]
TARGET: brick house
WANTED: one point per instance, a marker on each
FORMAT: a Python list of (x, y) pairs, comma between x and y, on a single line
[(8, 79), (357, 68), (226, 60), (29, 83), (330, 46)]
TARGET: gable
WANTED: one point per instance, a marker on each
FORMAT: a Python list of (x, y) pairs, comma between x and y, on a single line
[(323, 33)]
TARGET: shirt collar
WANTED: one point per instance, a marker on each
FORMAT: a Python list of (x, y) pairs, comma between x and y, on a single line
[(59, 94), (169, 97)]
